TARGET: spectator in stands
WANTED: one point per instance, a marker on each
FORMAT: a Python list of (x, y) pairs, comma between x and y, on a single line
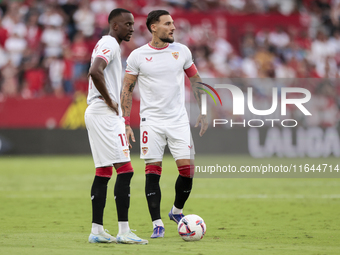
[(34, 78), (69, 7), (34, 32), (3, 34), (101, 9), (80, 56), (15, 46), (68, 71), (321, 48), (53, 16), (248, 46), (235, 6), (278, 38), (221, 50), (3, 57), (264, 59), (10, 85), (335, 41), (56, 66), (303, 41), (85, 19), (249, 67), (53, 38), (68, 28)]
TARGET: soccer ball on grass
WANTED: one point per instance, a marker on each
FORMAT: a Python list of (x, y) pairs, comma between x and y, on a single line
[(192, 228)]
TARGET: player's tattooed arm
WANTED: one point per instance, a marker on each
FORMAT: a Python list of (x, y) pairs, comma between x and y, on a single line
[(126, 103), (196, 83), (126, 96)]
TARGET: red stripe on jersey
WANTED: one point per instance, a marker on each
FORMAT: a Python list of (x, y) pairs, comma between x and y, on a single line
[(191, 71), (157, 48), (127, 71), (99, 56)]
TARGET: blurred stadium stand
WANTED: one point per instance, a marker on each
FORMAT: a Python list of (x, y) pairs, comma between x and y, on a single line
[(45, 49)]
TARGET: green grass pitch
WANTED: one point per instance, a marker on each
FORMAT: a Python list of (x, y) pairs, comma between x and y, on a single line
[(45, 208)]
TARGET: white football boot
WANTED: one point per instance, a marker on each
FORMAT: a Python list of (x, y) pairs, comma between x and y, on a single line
[(103, 237), (130, 238)]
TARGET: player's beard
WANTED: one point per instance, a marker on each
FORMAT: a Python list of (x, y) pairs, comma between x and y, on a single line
[(126, 38), (167, 40)]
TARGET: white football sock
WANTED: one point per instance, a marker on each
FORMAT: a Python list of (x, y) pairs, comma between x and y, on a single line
[(157, 223), (123, 227), (97, 229), (175, 210)]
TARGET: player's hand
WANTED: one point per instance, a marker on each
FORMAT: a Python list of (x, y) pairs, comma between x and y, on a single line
[(113, 106), (129, 133), (204, 124)]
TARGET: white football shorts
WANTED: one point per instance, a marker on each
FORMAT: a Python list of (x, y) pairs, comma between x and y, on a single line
[(107, 138), (154, 138)]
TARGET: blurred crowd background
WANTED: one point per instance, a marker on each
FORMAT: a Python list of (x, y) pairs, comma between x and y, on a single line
[(45, 46)]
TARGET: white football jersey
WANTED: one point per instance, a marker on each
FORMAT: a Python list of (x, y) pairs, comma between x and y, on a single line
[(108, 49), (161, 82)]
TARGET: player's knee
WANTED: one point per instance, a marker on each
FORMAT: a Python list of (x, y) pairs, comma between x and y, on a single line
[(186, 171), (126, 168), (153, 169), (104, 171)]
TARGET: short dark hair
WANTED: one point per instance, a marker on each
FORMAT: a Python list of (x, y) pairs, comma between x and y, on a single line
[(153, 17), (116, 12)]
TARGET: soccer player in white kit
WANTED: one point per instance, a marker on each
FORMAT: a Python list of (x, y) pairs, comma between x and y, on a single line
[(106, 130), (159, 68)]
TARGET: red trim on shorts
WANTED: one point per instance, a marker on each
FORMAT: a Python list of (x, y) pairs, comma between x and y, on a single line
[(191, 71), (99, 56), (186, 171), (158, 48), (104, 171), (127, 168), (152, 169)]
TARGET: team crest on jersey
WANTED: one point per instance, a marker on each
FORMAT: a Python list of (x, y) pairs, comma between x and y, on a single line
[(175, 55), (126, 152), (145, 150)]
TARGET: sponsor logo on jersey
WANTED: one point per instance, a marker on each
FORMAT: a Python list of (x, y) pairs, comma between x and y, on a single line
[(126, 152), (190, 147), (145, 150), (148, 59), (175, 55)]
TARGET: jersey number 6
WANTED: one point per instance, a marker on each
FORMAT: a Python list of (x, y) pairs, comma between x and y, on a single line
[(145, 137)]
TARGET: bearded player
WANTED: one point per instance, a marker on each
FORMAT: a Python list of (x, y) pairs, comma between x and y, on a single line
[(159, 68), (106, 130)]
